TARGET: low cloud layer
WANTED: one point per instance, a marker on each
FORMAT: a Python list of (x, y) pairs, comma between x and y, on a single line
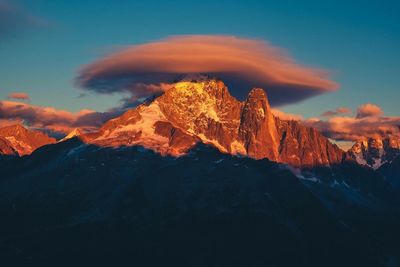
[(50, 119), (368, 122), (19, 96), (241, 63)]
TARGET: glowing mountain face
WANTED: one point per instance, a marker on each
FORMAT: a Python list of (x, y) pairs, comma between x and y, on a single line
[(74, 133), (204, 111), (21, 140)]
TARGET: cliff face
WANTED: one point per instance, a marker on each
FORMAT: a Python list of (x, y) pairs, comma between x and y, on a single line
[(257, 131), (204, 111), (305, 146)]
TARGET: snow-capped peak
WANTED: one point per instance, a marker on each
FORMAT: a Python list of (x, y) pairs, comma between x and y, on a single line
[(24, 141), (374, 152), (201, 110)]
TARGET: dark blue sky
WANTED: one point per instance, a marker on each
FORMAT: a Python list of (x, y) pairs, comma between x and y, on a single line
[(358, 42)]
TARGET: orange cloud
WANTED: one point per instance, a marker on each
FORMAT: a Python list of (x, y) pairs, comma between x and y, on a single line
[(369, 122), (20, 96), (369, 110), (49, 118), (241, 63)]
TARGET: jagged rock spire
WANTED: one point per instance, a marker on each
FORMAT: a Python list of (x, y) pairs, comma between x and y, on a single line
[(257, 129)]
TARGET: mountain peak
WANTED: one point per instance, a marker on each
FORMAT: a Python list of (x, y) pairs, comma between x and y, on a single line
[(257, 93), (257, 130), (374, 152), (203, 110), (24, 140), (74, 133)]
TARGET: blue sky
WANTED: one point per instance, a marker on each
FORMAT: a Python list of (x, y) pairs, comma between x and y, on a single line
[(358, 42)]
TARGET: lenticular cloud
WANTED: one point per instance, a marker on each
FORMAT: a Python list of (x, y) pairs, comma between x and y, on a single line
[(241, 63)]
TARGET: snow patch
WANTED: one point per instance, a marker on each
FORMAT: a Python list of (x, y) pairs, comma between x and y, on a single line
[(145, 127)]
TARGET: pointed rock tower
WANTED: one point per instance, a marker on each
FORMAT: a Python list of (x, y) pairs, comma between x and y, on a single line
[(257, 129)]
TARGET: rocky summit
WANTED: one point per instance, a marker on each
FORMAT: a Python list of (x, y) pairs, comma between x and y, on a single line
[(204, 111)]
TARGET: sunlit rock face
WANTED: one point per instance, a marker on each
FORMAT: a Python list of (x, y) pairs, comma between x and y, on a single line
[(74, 133), (257, 129), (17, 140), (306, 147), (374, 152), (204, 111)]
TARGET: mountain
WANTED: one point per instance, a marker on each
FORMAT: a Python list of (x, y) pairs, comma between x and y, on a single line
[(77, 202), (21, 140), (74, 133), (305, 147), (194, 177), (204, 111), (375, 152)]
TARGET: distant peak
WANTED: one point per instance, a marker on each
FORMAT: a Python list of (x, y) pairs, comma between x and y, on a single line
[(374, 152), (24, 140), (74, 133)]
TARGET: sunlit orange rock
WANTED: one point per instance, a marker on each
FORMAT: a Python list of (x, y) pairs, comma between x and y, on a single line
[(204, 111), (22, 140)]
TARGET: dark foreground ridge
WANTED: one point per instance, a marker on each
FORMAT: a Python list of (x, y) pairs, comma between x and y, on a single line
[(76, 204)]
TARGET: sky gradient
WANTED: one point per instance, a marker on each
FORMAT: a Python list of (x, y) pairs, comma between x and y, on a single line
[(357, 42)]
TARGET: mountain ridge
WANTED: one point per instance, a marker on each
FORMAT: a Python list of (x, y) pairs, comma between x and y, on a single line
[(375, 152), (205, 111), (18, 140)]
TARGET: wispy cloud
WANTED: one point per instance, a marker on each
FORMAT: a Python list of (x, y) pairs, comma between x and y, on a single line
[(14, 18)]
